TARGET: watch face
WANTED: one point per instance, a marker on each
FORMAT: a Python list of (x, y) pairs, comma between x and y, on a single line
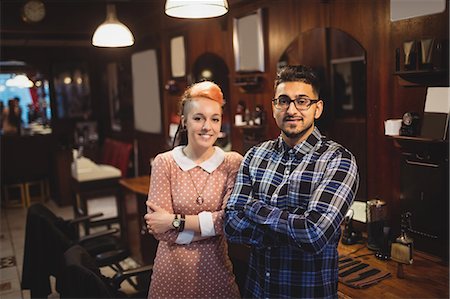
[(33, 11), (176, 223)]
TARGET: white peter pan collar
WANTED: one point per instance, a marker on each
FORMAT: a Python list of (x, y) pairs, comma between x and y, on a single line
[(187, 164)]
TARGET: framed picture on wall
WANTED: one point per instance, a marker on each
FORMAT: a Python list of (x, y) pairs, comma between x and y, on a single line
[(248, 42), (178, 56)]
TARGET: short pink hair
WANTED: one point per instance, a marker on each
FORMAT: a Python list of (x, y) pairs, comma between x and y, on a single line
[(204, 89)]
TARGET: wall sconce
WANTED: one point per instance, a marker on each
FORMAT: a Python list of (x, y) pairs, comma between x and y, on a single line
[(112, 33), (196, 9)]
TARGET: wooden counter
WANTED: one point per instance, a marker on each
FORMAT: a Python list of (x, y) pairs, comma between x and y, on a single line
[(138, 185), (425, 278)]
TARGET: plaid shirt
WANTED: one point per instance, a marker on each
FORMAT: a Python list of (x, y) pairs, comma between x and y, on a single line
[(288, 204)]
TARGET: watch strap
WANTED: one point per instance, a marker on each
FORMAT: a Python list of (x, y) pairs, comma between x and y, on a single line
[(182, 222)]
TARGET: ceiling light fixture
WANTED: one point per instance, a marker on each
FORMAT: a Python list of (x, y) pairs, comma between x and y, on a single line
[(196, 9), (112, 33), (20, 81)]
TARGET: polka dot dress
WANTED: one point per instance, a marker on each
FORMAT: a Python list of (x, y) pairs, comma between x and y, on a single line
[(200, 269)]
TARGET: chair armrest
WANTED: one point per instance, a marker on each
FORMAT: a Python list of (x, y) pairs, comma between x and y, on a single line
[(89, 237), (85, 218), (111, 257), (121, 276)]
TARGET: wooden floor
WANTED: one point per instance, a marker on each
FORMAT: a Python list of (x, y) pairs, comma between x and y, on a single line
[(425, 278)]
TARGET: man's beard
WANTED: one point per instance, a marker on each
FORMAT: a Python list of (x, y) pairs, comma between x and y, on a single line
[(296, 134)]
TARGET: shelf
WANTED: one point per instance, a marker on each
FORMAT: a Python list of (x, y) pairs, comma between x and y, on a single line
[(421, 149), (417, 139), (432, 77), (249, 127), (248, 84)]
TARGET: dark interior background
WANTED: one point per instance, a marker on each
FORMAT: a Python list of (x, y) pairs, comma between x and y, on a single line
[(65, 33)]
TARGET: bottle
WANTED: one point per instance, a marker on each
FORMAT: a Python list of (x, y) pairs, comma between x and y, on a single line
[(259, 115), (239, 117), (402, 248), (248, 118)]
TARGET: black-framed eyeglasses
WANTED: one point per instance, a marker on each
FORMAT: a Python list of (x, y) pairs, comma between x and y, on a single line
[(301, 103)]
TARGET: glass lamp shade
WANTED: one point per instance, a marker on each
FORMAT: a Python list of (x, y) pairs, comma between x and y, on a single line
[(20, 81), (196, 9), (112, 33)]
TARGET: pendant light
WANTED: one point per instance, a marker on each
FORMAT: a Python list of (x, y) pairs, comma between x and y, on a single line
[(112, 33), (196, 9)]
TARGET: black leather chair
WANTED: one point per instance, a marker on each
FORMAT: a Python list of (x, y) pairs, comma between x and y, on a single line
[(83, 278), (47, 237)]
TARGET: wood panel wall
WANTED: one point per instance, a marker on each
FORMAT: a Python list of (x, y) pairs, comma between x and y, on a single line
[(369, 23)]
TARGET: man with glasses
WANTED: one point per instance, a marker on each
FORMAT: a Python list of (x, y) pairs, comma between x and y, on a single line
[(291, 196)]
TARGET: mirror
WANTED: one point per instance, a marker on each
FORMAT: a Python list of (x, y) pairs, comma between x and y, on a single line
[(25, 90), (177, 57), (146, 102), (248, 42), (340, 62), (72, 90)]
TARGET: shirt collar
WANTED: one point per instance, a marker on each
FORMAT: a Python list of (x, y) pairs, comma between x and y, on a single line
[(303, 147), (187, 164)]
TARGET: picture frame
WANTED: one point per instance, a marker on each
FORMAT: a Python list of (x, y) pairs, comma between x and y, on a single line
[(178, 56), (248, 42)]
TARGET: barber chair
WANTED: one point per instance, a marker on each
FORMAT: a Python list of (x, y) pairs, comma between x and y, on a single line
[(83, 278), (117, 154), (48, 236)]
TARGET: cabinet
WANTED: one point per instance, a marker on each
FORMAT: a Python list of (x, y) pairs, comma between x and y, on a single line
[(424, 192)]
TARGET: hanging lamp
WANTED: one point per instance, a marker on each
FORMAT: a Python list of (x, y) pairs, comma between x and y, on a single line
[(112, 33), (196, 9)]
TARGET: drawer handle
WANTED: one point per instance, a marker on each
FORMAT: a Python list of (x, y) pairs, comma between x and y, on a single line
[(422, 164)]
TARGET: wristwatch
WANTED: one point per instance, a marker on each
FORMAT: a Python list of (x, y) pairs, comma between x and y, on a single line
[(176, 222)]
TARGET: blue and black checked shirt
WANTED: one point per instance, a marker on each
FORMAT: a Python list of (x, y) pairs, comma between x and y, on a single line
[(288, 204)]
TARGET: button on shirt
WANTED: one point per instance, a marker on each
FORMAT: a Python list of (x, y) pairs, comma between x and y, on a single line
[(288, 204)]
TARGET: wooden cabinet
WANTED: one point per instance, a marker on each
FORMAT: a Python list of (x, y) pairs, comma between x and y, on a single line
[(424, 192)]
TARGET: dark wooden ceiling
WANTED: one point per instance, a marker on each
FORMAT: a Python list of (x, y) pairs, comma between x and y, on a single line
[(76, 20)]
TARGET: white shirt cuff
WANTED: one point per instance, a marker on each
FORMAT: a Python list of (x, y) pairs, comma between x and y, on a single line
[(206, 224), (185, 237)]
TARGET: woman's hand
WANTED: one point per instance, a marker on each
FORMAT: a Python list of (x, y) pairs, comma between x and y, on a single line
[(159, 221)]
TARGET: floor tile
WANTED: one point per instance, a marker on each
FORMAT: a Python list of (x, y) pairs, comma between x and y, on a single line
[(7, 274)]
